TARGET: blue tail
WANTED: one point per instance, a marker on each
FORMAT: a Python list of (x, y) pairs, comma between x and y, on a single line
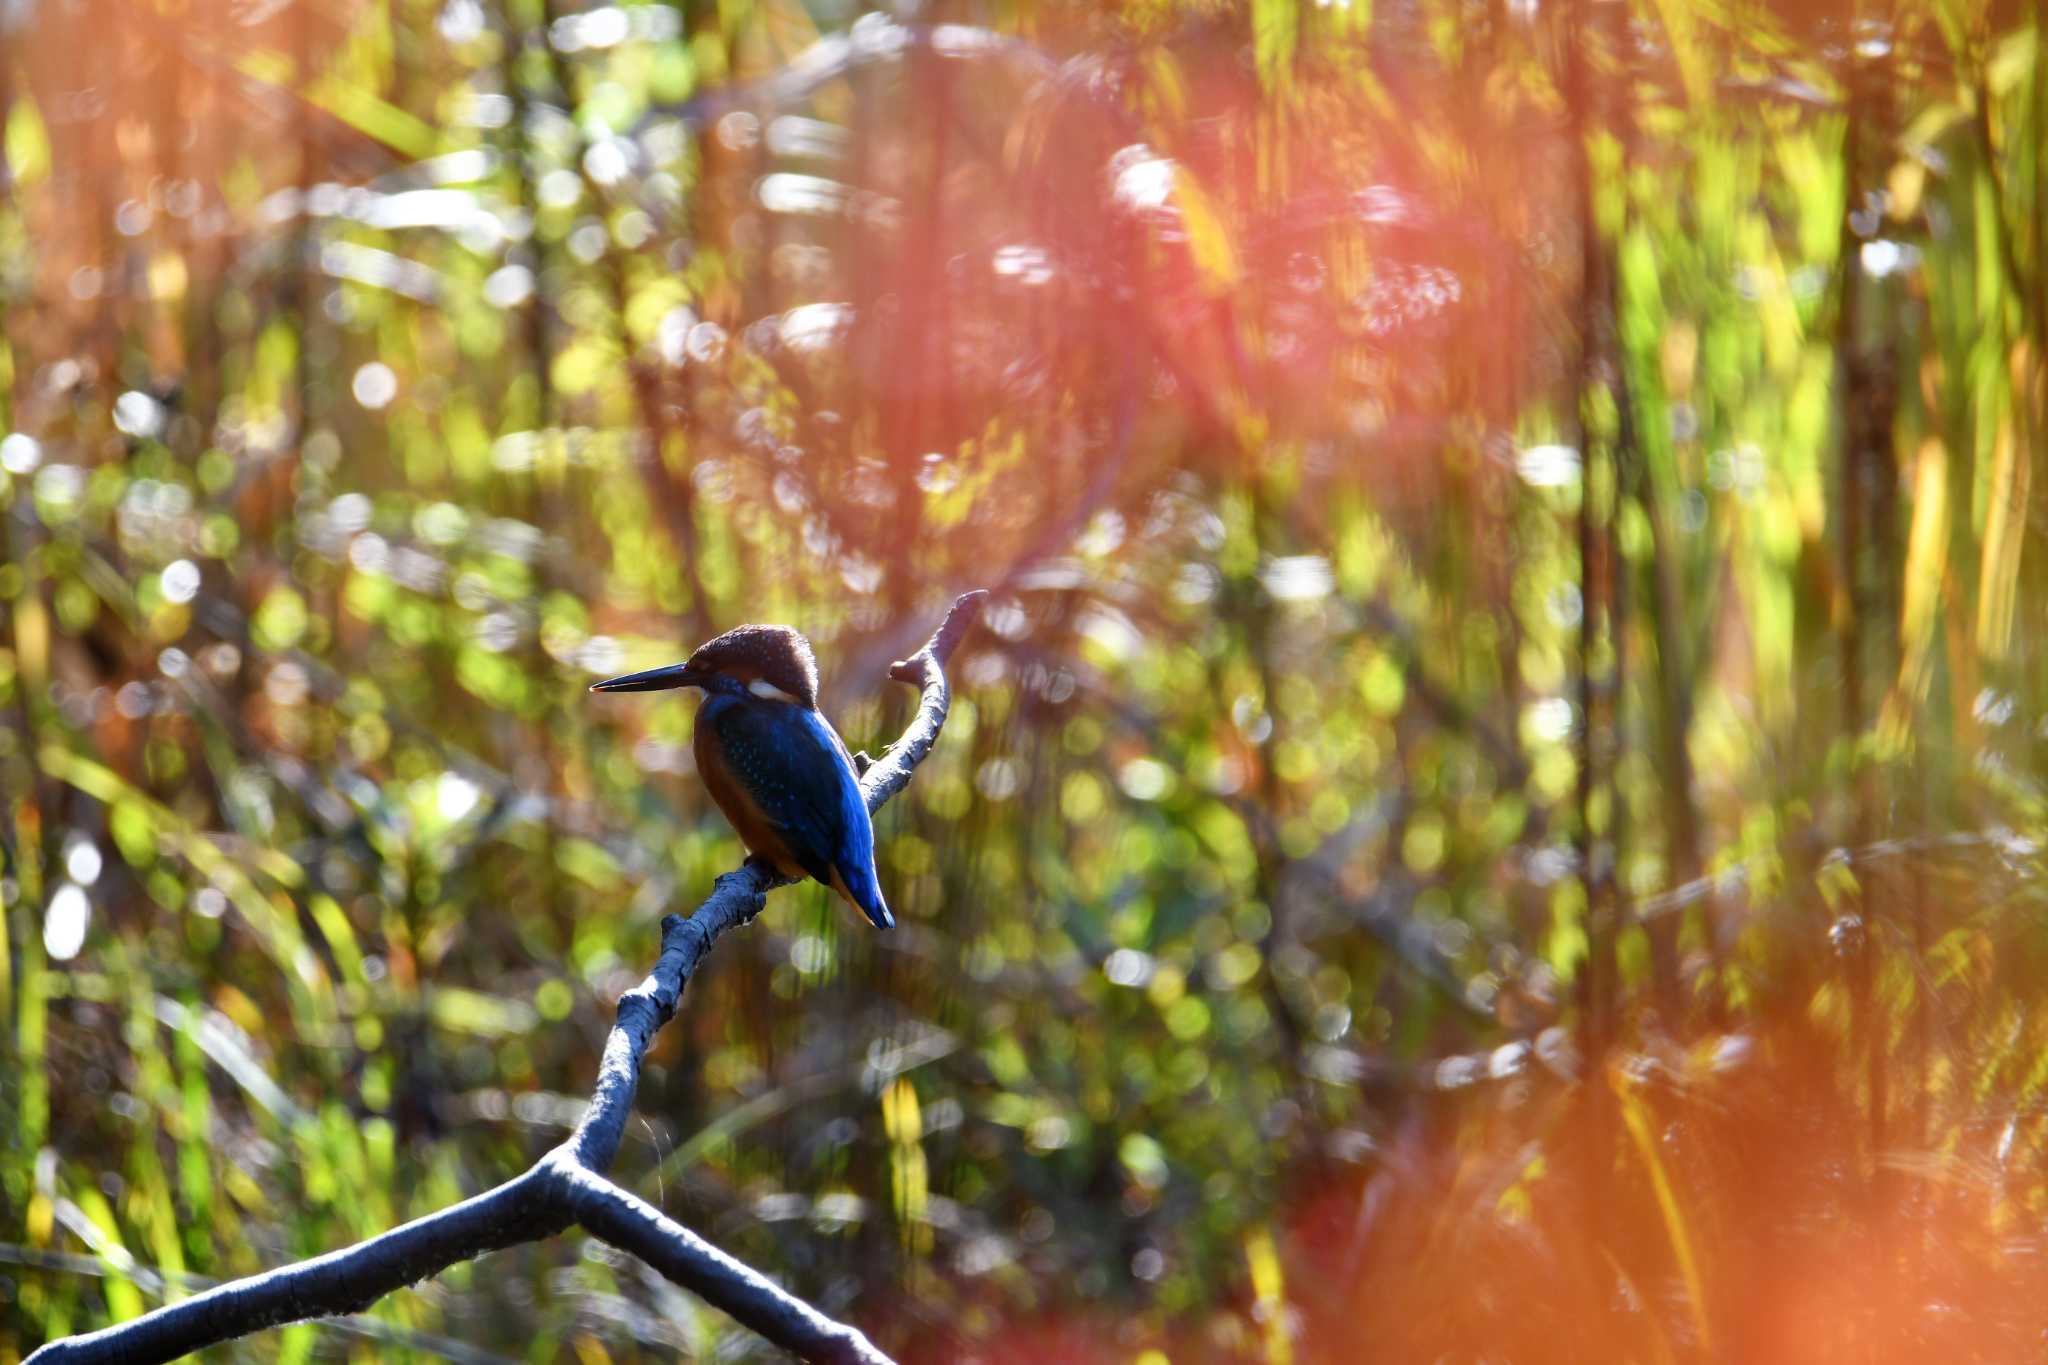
[(859, 886)]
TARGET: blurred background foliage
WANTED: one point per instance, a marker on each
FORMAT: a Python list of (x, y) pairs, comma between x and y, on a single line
[(1495, 814)]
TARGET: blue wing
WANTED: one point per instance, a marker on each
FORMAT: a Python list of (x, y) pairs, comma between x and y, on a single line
[(798, 775)]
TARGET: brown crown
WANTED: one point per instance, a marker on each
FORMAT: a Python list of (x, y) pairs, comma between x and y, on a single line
[(776, 655)]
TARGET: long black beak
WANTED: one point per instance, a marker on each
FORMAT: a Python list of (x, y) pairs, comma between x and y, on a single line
[(653, 680)]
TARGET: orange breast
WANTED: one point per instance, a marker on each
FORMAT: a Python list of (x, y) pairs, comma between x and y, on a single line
[(738, 806)]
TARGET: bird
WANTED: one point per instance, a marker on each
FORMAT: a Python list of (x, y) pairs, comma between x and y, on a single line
[(773, 764)]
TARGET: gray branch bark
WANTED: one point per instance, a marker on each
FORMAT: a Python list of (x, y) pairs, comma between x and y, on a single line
[(567, 1187)]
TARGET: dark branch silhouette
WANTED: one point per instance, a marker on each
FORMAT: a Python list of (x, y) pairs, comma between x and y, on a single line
[(567, 1187)]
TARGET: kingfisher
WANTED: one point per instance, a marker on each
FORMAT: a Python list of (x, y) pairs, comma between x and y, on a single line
[(773, 763)]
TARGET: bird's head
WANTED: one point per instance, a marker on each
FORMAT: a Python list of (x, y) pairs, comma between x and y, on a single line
[(770, 662)]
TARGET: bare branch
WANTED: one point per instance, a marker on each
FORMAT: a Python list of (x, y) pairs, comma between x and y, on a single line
[(736, 897), (156, 1281), (632, 1224), (568, 1185), (925, 669), (347, 1281)]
